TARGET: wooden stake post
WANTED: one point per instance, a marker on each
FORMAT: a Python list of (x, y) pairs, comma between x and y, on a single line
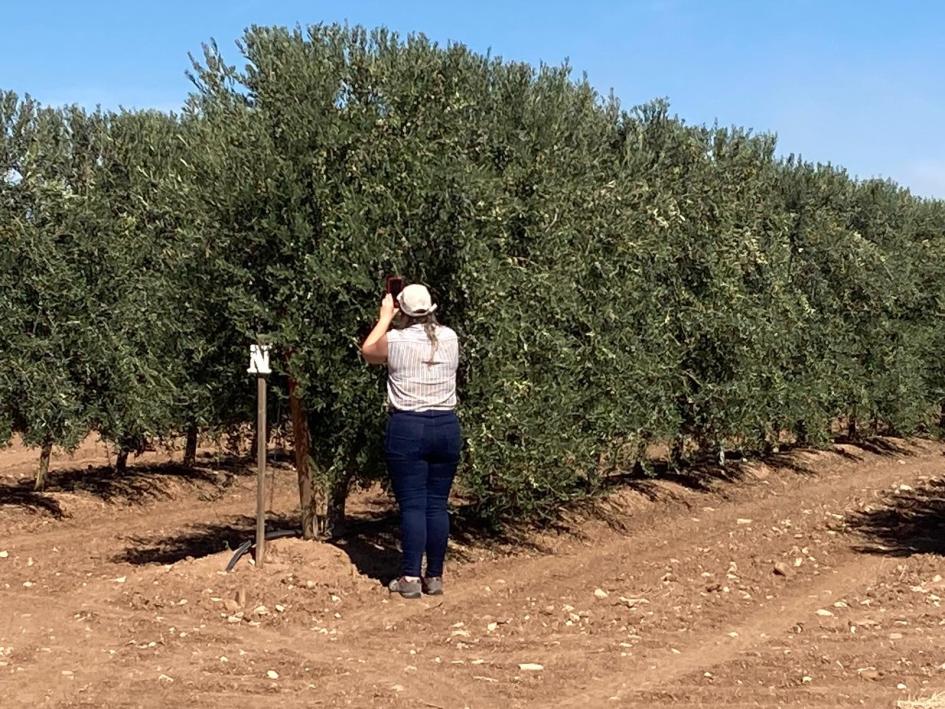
[(259, 365)]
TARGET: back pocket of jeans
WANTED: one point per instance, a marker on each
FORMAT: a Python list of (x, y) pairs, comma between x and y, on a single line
[(454, 440), (404, 437)]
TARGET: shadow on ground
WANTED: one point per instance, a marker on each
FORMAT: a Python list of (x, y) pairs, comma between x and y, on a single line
[(371, 540), (371, 543), (705, 474), (24, 497), (911, 522), (196, 541), (877, 445), (139, 484)]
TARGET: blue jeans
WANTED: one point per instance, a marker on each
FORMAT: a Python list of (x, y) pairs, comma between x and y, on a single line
[(422, 454)]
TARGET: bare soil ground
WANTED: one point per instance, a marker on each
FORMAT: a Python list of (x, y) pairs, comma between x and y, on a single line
[(812, 581)]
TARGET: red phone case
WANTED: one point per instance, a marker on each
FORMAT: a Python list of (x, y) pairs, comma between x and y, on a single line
[(395, 284)]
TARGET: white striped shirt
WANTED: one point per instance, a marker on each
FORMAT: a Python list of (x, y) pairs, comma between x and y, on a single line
[(415, 380)]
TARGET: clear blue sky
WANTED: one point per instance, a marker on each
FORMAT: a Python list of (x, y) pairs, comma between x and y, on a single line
[(860, 83)]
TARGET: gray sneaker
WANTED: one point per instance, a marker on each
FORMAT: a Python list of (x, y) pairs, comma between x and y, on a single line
[(432, 585), (407, 589)]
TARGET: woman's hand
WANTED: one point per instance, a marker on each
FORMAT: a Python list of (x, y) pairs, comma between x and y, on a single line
[(388, 308)]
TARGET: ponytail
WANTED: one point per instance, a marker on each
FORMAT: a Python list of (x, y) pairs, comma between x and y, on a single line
[(429, 327), (429, 322)]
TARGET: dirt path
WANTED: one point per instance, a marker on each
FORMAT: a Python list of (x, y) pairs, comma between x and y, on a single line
[(758, 593)]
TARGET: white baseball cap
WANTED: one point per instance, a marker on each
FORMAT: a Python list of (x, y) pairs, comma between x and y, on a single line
[(414, 300)]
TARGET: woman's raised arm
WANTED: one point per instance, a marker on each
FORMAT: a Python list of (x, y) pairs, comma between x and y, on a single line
[(374, 348)]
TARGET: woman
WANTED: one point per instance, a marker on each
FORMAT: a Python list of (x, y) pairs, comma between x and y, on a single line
[(423, 439)]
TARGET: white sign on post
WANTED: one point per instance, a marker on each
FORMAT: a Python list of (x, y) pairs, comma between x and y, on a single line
[(259, 359)]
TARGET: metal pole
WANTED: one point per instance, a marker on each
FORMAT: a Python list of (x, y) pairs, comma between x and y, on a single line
[(261, 469)]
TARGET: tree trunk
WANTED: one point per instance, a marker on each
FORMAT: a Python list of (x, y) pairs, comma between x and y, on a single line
[(40, 482), (801, 436), (121, 462), (190, 449), (767, 446), (941, 416), (334, 520), (234, 441), (639, 457), (677, 451), (301, 441), (851, 428)]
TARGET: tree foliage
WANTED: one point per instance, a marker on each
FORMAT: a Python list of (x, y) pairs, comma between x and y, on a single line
[(618, 277)]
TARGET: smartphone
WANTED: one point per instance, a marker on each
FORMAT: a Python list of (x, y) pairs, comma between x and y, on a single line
[(395, 284)]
